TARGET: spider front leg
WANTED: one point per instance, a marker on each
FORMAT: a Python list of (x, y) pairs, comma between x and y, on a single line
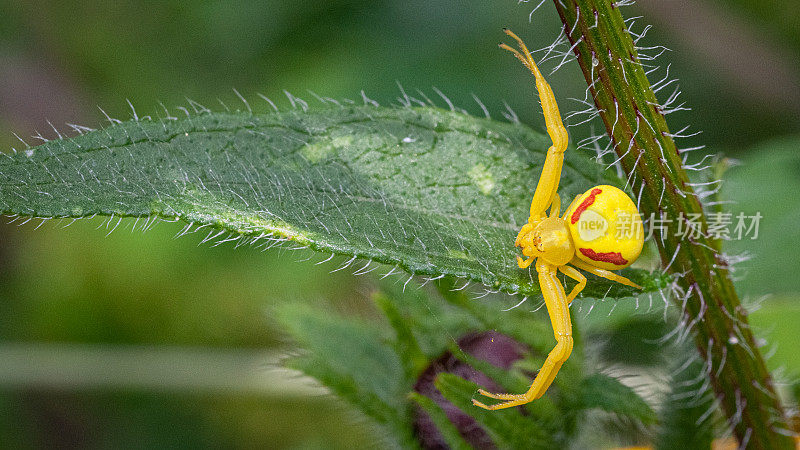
[(556, 302), (551, 172), (527, 228), (524, 241), (525, 263)]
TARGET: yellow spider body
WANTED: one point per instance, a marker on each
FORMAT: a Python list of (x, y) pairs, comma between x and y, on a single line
[(600, 231), (605, 227)]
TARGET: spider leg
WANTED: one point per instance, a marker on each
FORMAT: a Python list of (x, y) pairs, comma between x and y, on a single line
[(527, 247), (524, 263), (551, 172), (555, 205), (603, 273), (569, 208), (525, 229), (556, 302), (575, 275)]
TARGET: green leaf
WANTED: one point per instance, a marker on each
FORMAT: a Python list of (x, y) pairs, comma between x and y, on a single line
[(353, 360), (778, 317), (606, 393), (434, 322), (631, 341), (434, 192), (413, 358), (765, 183)]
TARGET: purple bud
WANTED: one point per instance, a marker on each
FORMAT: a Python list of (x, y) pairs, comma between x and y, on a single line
[(492, 347)]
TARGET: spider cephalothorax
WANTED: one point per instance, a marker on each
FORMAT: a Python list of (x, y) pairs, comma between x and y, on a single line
[(600, 231), (550, 240)]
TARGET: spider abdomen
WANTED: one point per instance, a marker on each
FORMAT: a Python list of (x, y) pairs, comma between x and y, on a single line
[(606, 227)]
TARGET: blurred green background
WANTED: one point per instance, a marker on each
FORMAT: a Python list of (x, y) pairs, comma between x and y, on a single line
[(97, 326)]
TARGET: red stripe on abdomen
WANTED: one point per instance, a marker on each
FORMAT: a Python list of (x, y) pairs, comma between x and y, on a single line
[(587, 202), (609, 257)]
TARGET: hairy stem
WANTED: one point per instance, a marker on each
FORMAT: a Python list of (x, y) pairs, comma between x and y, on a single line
[(710, 307)]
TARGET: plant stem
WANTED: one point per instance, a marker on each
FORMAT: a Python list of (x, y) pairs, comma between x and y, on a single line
[(710, 307)]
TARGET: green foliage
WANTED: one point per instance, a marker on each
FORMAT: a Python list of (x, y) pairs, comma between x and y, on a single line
[(363, 363), (632, 342), (432, 191), (687, 417), (604, 392), (352, 359), (767, 183)]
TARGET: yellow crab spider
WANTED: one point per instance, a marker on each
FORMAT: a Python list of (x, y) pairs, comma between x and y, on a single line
[(600, 231)]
